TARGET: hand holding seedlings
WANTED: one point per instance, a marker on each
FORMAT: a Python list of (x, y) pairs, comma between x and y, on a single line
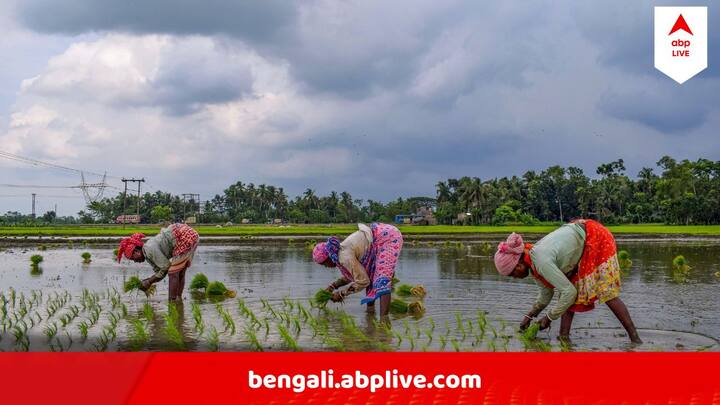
[(544, 322), (337, 296)]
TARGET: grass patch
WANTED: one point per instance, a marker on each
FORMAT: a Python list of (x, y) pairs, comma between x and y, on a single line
[(341, 230)]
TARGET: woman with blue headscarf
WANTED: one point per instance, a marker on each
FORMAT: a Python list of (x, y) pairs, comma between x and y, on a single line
[(366, 260)]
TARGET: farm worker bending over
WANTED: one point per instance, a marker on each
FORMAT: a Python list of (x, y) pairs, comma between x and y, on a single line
[(366, 259), (171, 251), (579, 260)]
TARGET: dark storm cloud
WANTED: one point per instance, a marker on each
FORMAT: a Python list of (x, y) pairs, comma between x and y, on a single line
[(624, 32), (258, 20)]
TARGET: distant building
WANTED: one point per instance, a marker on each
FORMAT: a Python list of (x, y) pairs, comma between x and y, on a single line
[(128, 219), (423, 216)]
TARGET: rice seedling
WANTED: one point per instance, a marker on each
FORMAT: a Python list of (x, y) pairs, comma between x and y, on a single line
[(252, 338), (198, 318), (404, 290), (199, 282), (94, 315), (491, 346), (218, 289), (443, 342), (411, 341), (36, 260), (321, 298), (429, 335), (681, 269), (398, 306), (171, 327), (87, 257), (138, 335), (213, 339), (432, 324), (148, 312), (83, 328), (227, 319), (624, 260), (395, 281), (532, 331), (50, 330), (288, 340), (486, 248), (101, 344), (399, 338)]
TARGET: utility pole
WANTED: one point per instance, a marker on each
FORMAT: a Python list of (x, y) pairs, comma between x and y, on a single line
[(33, 205), (126, 181)]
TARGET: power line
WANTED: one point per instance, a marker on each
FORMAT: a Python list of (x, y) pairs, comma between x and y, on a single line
[(40, 163)]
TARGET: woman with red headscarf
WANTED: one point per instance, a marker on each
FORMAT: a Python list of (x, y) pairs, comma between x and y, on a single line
[(171, 252), (579, 260), (366, 260)]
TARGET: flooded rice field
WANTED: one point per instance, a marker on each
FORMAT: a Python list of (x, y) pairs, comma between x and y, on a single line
[(64, 304)]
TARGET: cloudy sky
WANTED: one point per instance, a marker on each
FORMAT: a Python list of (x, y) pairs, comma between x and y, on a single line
[(382, 99)]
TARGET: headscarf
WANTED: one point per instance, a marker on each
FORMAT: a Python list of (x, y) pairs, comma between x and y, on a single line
[(508, 254), (325, 250), (129, 244)]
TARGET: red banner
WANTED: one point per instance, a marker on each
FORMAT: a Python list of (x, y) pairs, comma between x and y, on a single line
[(517, 378)]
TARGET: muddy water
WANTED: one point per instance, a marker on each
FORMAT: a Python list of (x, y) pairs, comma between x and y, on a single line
[(469, 307)]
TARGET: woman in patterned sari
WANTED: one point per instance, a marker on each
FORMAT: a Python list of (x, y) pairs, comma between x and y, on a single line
[(171, 252), (579, 260), (366, 260)]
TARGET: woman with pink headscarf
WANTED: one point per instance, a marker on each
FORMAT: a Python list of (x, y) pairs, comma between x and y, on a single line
[(171, 252), (366, 260), (579, 260)]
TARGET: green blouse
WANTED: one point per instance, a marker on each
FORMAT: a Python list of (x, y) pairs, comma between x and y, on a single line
[(554, 256)]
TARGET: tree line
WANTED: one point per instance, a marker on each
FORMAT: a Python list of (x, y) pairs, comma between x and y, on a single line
[(676, 192)]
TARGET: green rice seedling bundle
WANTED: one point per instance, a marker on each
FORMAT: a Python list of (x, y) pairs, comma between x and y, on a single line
[(416, 308), (199, 282), (680, 264), (87, 257), (418, 291), (398, 306), (532, 331), (132, 283), (404, 290), (322, 297), (218, 289), (36, 260), (624, 260)]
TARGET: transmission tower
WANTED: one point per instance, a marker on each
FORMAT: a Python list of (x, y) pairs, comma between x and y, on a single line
[(191, 198), (85, 187)]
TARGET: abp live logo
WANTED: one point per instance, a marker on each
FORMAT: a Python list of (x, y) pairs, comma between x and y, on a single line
[(681, 41)]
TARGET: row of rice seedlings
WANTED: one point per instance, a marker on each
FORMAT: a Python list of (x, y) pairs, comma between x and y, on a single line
[(252, 338), (248, 313), (288, 340), (83, 328), (138, 335), (171, 327), (148, 312), (68, 317), (227, 319), (198, 318), (50, 330), (213, 339)]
